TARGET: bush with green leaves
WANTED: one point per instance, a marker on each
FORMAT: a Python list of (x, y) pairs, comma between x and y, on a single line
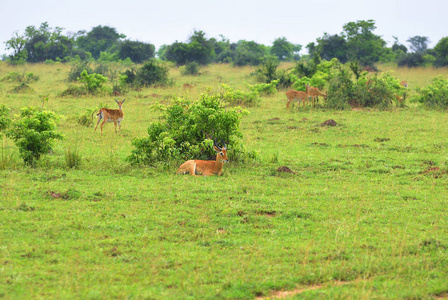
[(34, 133), (265, 88), (190, 69), (435, 95), (153, 72), (234, 97), (5, 119), (94, 83), (189, 130)]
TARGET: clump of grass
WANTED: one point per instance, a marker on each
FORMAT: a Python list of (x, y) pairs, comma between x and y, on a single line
[(73, 158)]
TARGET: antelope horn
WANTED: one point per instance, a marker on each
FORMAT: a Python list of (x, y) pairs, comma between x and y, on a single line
[(224, 144), (216, 145)]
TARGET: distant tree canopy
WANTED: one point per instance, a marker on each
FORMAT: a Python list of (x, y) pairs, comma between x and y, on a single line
[(356, 43)]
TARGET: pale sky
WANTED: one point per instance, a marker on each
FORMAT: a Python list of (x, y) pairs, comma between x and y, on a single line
[(164, 22)]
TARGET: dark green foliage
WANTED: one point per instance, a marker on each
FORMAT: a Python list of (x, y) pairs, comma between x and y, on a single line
[(153, 72), (99, 39), (418, 44), (268, 71), (77, 69), (189, 131), (190, 69), (441, 52), (248, 53), (138, 52), (34, 133), (435, 95), (411, 60), (340, 90), (332, 46), (198, 49), (93, 83), (362, 44), (284, 50)]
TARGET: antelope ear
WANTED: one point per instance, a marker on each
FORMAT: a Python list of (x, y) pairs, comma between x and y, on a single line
[(123, 101), (116, 101), (216, 149)]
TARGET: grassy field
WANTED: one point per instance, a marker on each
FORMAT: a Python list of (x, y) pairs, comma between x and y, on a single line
[(363, 215)]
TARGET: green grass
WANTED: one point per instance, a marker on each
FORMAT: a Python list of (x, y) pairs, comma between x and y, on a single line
[(363, 216)]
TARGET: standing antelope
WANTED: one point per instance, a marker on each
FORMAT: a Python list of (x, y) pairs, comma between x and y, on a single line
[(206, 167), (314, 93), (111, 115), (296, 95)]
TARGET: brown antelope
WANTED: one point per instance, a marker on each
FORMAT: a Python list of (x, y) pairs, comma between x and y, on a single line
[(111, 115), (314, 93), (296, 95), (206, 167), (404, 83)]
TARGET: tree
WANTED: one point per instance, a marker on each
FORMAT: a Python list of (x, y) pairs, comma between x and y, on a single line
[(198, 49), (362, 44), (138, 52), (249, 53), (398, 46), (418, 44), (17, 44), (283, 49), (441, 51), (99, 39), (332, 46)]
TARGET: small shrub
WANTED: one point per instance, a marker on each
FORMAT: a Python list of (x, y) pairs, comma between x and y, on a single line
[(190, 69), (33, 133), (435, 95), (94, 83), (77, 69), (5, 119), (75, 91), (86, 118), (151, 73), (234, 97), (22, 88), (189, 130), (265, 88), (72, 159)]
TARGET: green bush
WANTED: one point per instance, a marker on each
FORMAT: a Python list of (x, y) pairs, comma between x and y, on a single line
[(435, 95), (265, 88), (151, 73), (190, 69), (189, 131), (94, 83), (77, 69), (5, 119), (33, 132), (234, 97)]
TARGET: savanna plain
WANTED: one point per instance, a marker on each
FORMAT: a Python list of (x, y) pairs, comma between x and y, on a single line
[(362, 215)]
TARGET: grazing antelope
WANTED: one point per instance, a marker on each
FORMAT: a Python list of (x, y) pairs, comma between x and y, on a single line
[(296, 95), (111, 115), (206, 167), (314, 93)]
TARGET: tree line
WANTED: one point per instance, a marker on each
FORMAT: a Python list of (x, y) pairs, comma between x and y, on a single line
[(357, 42)]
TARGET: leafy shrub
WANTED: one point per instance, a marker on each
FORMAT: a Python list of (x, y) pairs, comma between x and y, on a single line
[(33, 132), (73, 159), (234, 97), (94, 83), (435, 95), (75, 91), (86, 118), (189, 130), (190, 69), (265, 88), (77, 69), (5, 119), (340, 90), (24, 77), (151, 73)]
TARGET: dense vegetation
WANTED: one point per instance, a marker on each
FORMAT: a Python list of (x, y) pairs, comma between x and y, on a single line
[(356, 42), (356, 210)]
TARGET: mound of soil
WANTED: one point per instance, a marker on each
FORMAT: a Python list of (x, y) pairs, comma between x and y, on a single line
[(285, 169), (329, 122)]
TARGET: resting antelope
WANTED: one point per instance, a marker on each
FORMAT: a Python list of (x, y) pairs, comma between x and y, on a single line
[(206, 167), (296, 95), (111, 115), (314, 93)]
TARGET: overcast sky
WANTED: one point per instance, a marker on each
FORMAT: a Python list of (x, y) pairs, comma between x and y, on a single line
[(164, 22)]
